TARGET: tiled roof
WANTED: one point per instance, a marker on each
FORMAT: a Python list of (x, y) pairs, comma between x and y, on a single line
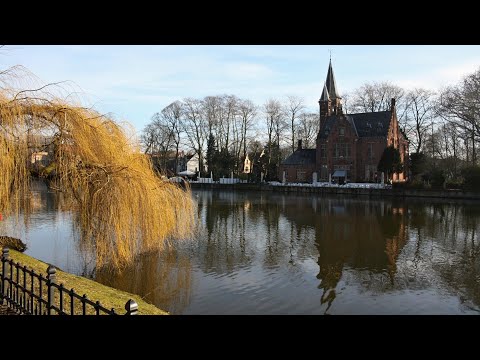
[(372, 124), (301, 157)]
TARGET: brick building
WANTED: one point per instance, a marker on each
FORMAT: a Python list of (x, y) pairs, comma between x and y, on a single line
[(348, 145)]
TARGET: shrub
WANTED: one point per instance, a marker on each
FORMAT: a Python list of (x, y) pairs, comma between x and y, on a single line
[(471, 176), (437, 178), (417, 184), (454, 184)]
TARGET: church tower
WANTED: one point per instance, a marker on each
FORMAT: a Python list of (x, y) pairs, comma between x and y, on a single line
[(330, 101), (325, 104)]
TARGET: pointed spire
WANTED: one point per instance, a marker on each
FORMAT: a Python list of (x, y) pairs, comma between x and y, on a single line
[(325, 96), (331, 84)]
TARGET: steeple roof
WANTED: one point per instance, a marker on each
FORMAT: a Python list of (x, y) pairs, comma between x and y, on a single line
[(331, 84), (325, 96)]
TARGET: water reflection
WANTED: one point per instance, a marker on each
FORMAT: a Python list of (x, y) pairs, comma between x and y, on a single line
[(360, 247), (167, 283), (270, 253), (359, 235)]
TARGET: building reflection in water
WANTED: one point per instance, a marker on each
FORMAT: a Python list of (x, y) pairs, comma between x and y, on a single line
[(358, 235), (342, 232), (272, 237)]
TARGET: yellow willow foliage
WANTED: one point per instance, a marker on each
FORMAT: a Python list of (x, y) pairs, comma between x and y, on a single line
[(124, 208)]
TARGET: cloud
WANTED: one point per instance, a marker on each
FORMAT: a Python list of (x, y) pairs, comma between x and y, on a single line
[(247, 71), (135, 81), (441, 76), (453, 73)]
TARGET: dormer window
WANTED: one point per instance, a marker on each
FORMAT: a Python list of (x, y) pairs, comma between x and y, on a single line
[(341, 131)]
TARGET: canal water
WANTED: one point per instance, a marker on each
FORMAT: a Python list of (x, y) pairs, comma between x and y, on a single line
[(272, 253)]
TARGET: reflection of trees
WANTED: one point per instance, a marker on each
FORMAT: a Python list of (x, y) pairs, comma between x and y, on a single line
[(447, 244), (274, 245), (224, 239), (38, 206), (364, 239), (39, 203), (436, 241), (161, 278), (241, 226), (279, 231)]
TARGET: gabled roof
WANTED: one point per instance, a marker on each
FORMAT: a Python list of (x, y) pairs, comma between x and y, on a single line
[(189, 157), (327, 126), (301, 157), (372, 124)]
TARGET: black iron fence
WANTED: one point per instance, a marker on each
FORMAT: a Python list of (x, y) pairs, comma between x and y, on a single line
[(27, 292)]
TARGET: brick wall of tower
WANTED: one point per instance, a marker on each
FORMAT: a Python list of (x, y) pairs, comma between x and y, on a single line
[(325, 110)]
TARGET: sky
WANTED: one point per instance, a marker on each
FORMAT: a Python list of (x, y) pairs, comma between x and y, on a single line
[(133, 82)]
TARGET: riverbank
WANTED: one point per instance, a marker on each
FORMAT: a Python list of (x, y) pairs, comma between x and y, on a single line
[(367, 192), (108, 297)]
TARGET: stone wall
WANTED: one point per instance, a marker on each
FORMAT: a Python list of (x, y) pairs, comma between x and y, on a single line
[(402, 193)]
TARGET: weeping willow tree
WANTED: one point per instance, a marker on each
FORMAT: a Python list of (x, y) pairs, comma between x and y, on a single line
[(123, 206)]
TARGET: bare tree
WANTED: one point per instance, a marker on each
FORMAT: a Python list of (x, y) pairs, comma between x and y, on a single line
[(280, 125), (418, 116), (308, 128), (230, 104), (294, 108), (460, 105), (149, 138), (158, 140), (346, 102), (195, 126), (212, 107), (452, 136), (220, 112), (247, 111), (173, 116), (450, 148), (275, 125), (376, 96)]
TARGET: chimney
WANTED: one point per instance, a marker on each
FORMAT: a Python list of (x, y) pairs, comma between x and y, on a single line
[(393, 104), (299, 145)]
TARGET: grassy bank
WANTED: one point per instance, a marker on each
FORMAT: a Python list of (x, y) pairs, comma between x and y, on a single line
[(108, 297)]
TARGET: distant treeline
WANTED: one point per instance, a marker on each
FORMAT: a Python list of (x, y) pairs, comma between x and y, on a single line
[(443, 128)]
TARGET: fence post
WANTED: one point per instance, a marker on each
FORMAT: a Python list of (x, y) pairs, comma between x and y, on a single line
[(132, 307), (5, 253), (51, 277)]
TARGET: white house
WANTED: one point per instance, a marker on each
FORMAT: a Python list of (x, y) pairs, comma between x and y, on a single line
[(193, 164), (247, 165)]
